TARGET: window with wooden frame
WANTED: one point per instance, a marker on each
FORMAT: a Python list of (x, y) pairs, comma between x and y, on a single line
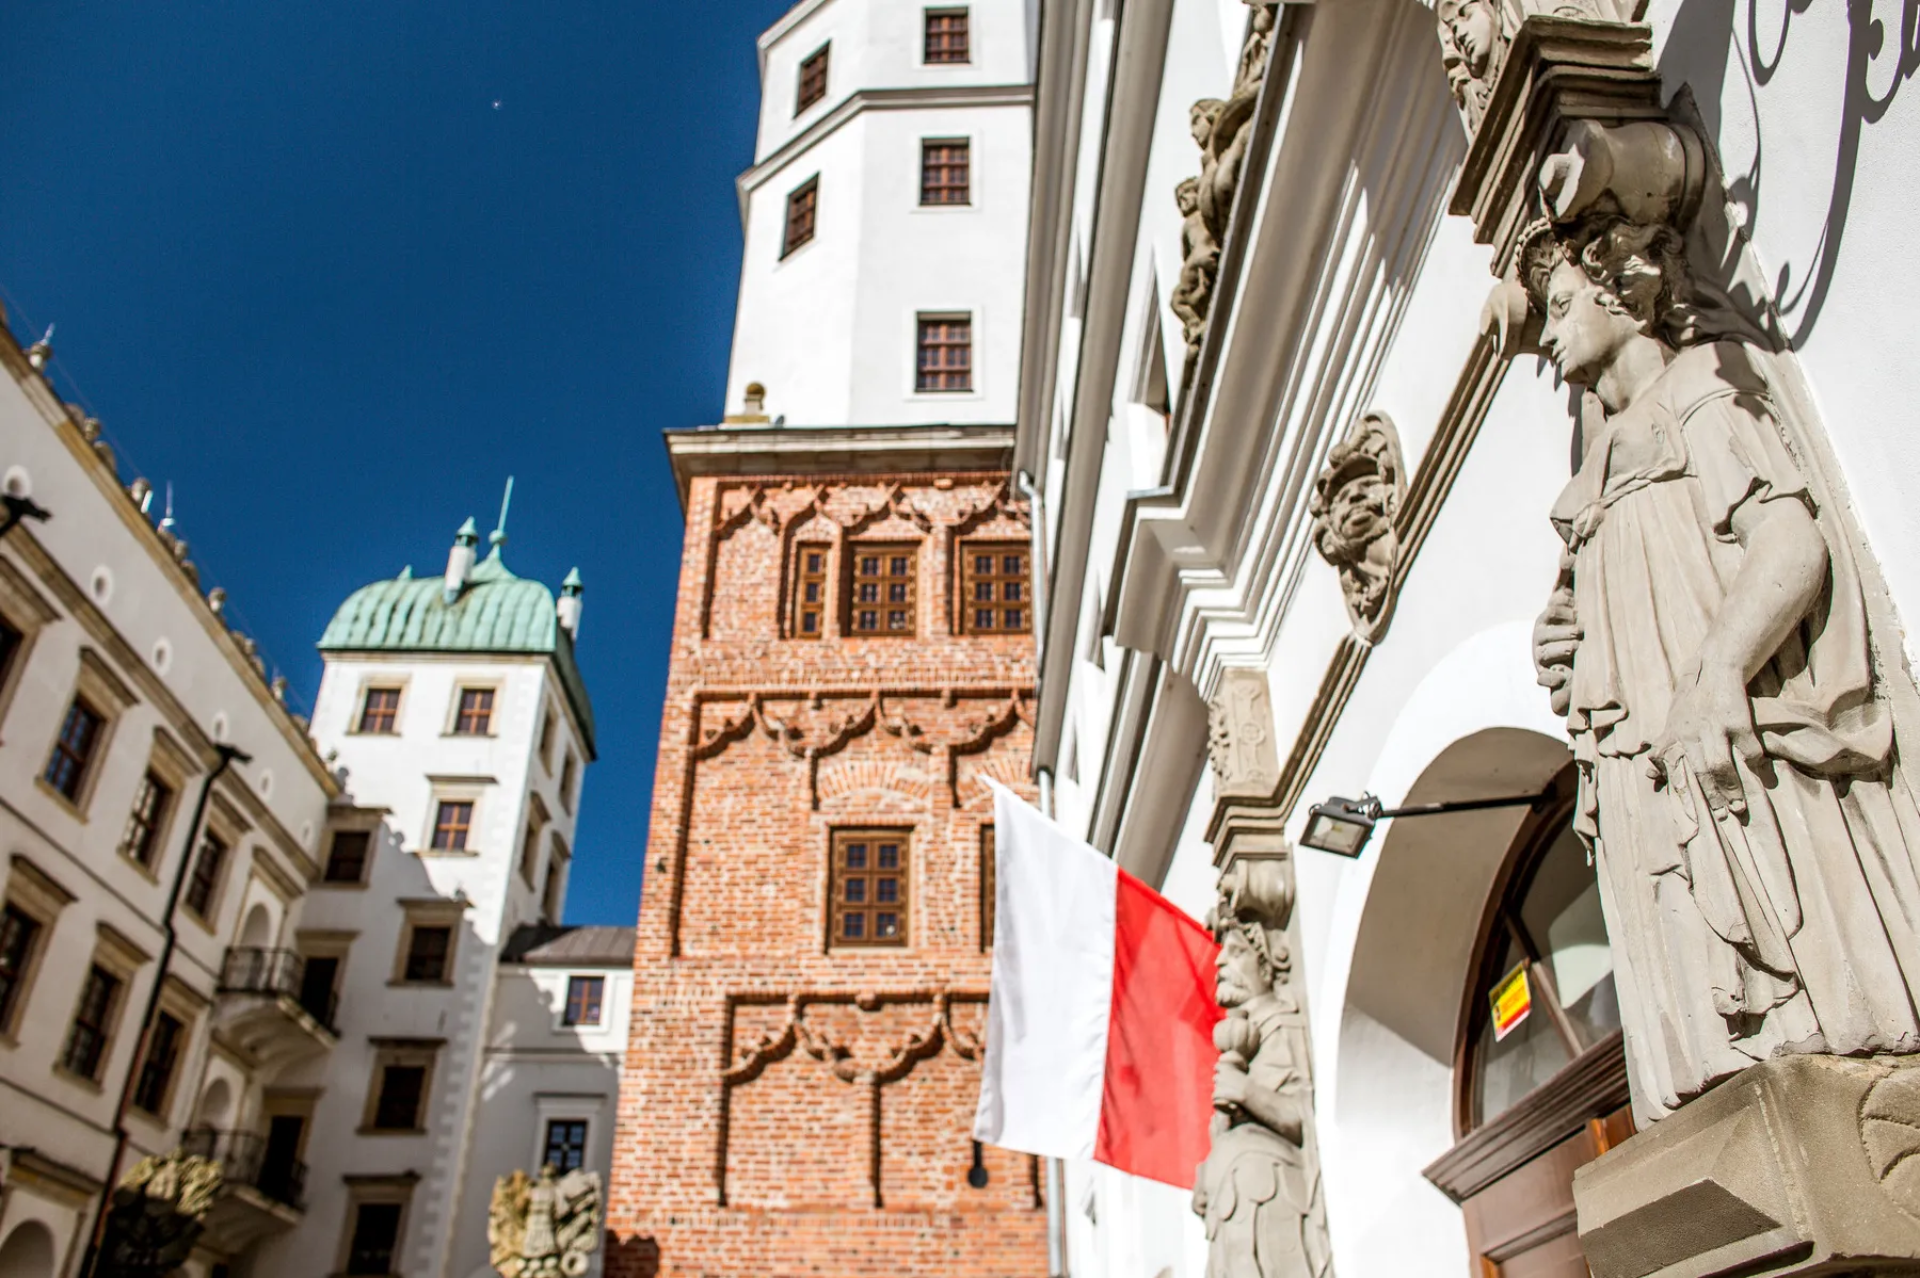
[(810, 589), (426, 947), (74, 749), (452, 823), (20, 934), (203, 881), (946, 171), (813, 78), (153, 1085), (402, 1082), (585, 996), (994, 589), (565, 1146), (380, 711), (881, 589), (944, 354), (348, 855), (93, 1019), (146, 820), (473, 716), (803, 209), (989, 883), (375, 1226), (869, 887), (947, 37)]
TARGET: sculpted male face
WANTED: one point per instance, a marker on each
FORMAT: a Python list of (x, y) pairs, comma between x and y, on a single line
[(1239, 972), (1582, 333)]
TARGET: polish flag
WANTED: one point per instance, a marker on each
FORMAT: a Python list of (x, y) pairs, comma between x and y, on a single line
[(1100, 1024)]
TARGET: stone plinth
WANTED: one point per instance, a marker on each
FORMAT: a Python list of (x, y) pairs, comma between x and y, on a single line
[(1799, 1165)]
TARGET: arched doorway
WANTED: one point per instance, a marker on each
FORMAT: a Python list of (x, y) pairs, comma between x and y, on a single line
[(27, 1252), (1540, 1073)]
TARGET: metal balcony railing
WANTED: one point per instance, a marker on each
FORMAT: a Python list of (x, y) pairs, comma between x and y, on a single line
[(278, 972), (245, 1160)]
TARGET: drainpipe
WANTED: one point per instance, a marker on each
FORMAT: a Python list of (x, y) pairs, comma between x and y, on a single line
[(1055, 1169), (229, 755)]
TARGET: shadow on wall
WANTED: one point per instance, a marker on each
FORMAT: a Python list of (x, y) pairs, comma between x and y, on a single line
[(1877, 55), (632, 1258)]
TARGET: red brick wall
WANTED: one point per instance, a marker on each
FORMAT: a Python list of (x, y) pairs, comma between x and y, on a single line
[(791, 1108)]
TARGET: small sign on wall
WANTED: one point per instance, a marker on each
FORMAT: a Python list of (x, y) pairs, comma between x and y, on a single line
[(1512, 1000)]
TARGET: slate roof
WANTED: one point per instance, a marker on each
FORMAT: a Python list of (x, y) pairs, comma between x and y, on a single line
[(496, 612), (547, 945)]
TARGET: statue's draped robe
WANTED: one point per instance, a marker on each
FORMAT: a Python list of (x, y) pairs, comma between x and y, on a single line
[(1791, 928)]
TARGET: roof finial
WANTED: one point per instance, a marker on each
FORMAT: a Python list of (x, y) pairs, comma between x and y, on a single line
[(498, 537)]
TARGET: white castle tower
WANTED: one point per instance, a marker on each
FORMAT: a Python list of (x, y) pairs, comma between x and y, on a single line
[(884, 213)]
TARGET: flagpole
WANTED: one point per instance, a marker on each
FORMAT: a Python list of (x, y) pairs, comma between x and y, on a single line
[(1055, 1171)]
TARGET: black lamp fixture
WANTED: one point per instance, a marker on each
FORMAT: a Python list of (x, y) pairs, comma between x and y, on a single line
[(1343, 826)]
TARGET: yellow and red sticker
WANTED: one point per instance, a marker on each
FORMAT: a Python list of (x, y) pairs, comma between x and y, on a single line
[(1512, 1000)]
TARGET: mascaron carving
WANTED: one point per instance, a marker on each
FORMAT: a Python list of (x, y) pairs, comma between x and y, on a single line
[(544, 1227), (1475, 36), (1355, 503)]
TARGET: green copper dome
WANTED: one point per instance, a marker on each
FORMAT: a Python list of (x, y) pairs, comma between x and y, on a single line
[(496, 612)]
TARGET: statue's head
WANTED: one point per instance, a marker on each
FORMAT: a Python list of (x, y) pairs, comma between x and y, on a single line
[(1201, 118), (1251, 957), (1474, 28), (1601, 288), (1187, 196)]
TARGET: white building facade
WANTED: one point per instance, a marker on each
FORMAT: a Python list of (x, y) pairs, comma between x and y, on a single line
[(1180, 536)]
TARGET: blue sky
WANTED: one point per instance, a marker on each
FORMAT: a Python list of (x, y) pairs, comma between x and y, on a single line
[(336, 270)]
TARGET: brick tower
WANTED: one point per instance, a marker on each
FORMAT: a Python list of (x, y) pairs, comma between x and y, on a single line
[(851, 663)]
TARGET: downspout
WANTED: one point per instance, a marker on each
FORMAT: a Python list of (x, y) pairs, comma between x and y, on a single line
[(229, 755)]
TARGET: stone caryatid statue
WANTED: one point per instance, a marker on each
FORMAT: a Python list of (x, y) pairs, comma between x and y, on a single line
[(544, 1227), (1199, 264), (1708, 644), (1259, 1189)]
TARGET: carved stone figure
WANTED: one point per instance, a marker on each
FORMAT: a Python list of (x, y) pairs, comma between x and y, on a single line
[(1240, 737), (545, 1227), (156, 1215), (1708, 644), (1355, 502), (1259, 1189), (1199, 264), (1473, 43)]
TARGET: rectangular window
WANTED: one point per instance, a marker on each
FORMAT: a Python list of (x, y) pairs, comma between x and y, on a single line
[(204, 881), (555, 886), (141, 839), (803, 207), (546, 741), (566, 1144), (402, 1089), (567, 770), (947, 36), (92, 1021), (993, 588), (428, 949), (881, 598), (347, 858), (451, 824), (156, 1071), (317, 980), (10, 641), (945, 355), (583, 999), (810, 591), (73, 750), (18, 931), (946, 169), (870, 887), (380, 712), (376, 1236), (475, 716), (530, 853), (813, 79)]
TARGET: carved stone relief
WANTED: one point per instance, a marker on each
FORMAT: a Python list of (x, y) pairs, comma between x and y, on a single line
[(1356, 501), (545, 1226), (1240, 741), (1475, 36), (157, 1213)]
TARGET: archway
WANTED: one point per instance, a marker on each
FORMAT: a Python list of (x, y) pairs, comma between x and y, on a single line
[(27, 1252), (216, 1106), (257, 932)]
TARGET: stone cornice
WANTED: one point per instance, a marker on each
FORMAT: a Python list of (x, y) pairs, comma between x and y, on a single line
[(836, 450)]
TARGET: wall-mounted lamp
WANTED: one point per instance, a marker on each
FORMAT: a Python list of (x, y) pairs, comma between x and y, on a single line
[(1343, 826)]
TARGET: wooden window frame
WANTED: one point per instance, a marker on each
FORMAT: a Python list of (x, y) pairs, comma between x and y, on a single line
[(477, 721), (359, 880), (145, 834), (841, 875), (579, 982), (25, 612), (82, 757), (375, 1191), (970, 578), (943, 54), (458, 831), (39, 899), (403, 1054), (802, 221), (810, 79), (208, 909), (448, 916), (143, 1071), (390, 714), (935, 333), (937, 161), (105, 1031), (801, 607), (855, 608)]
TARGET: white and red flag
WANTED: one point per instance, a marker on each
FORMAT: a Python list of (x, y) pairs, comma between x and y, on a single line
[(1100, 1023)]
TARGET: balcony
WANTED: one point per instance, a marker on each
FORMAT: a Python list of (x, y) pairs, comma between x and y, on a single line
[(262, 1194), (270, 1011)]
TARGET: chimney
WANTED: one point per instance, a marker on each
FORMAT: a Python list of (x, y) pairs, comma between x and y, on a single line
[(460, 561), (567, 608)]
